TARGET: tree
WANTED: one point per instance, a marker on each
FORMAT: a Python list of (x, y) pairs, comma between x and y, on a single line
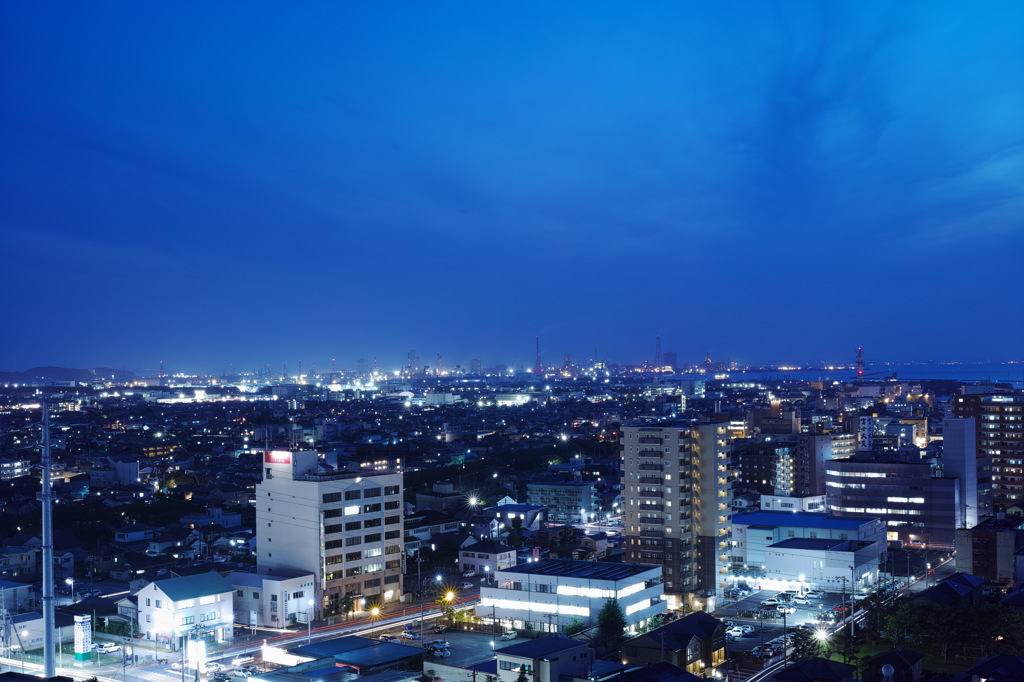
[(515, 533), (846, 645), (346, 604), (522, 674), (805, 645), (611, 619), (900, 622), (575, 626), (653, 623)]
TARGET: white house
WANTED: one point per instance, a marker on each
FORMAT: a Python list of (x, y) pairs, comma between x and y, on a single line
[(486, 556), (547, 594), (196, 605)]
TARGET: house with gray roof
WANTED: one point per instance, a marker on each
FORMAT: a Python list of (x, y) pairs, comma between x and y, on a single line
[(201, 605)]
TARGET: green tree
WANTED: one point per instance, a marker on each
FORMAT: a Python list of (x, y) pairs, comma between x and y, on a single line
[(522, 674), (805, 645), (611, 619), (347, 604), (653, 623), (515, 533), (901, 621), (576, 625), (846, 645)]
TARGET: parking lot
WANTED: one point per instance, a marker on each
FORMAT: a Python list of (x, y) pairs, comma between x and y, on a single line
[(466, 647), (768, 628)]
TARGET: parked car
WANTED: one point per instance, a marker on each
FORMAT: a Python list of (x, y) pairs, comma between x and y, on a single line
[(771, 601), (735, 631), (389, 638), (408, 634), (210, 668), (219, 677), (109, 648), (437, 644), (440, 653), (814, 594), (782, 608), (747, 629), (244, 659), (511, 634), (440, 629), (469, 574), (802, 601), (468, 586)]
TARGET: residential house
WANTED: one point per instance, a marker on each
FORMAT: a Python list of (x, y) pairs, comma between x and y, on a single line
[(907, 665), (486, 556), (171, 609), (695, 643), (816, 669)]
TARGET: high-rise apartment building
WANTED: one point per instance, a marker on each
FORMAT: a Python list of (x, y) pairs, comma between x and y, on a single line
[(677, 499), (999, 437), (343, 526)]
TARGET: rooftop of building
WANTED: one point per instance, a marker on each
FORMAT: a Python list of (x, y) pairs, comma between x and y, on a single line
[(579, 569), (812, 543), (193, 586), (1000, 524), (770, 519), (542, 647)]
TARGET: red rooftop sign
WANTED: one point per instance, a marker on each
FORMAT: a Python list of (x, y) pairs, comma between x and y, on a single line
[(277, 457)]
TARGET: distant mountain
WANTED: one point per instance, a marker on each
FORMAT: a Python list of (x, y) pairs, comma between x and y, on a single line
[(44, 374)]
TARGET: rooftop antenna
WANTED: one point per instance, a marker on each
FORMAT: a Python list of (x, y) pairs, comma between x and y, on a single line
[(538, 366), (860, 362), (658, 358), (46, 497), (300, 369), (438, 363)]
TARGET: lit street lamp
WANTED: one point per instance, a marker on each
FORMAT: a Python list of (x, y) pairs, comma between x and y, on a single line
[(71, 582)]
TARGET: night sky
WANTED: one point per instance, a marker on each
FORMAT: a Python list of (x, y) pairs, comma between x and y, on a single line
[(246, 183)]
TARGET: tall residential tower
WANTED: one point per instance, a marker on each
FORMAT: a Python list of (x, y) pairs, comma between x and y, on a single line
[(677, 502)]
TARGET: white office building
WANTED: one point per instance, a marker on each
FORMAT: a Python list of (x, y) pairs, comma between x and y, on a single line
[(344, 527), (821, 563), (754, 532), (546, 595)]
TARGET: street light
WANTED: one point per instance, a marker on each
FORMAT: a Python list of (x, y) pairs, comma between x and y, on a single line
[(487, 574), (124, 663), (71, 581)]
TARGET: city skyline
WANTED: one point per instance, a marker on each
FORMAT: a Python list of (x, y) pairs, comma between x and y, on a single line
[(233, 185)]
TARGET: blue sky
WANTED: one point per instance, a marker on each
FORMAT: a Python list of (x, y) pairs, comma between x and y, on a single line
[(250, 183)]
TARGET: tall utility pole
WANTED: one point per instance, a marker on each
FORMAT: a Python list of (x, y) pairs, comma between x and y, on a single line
[(853, 599), (46, 497)]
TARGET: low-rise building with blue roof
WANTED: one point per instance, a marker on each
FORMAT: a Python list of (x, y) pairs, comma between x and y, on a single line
[(754, 532)]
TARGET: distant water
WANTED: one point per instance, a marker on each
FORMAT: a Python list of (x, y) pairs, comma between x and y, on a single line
[(1012, 373)]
